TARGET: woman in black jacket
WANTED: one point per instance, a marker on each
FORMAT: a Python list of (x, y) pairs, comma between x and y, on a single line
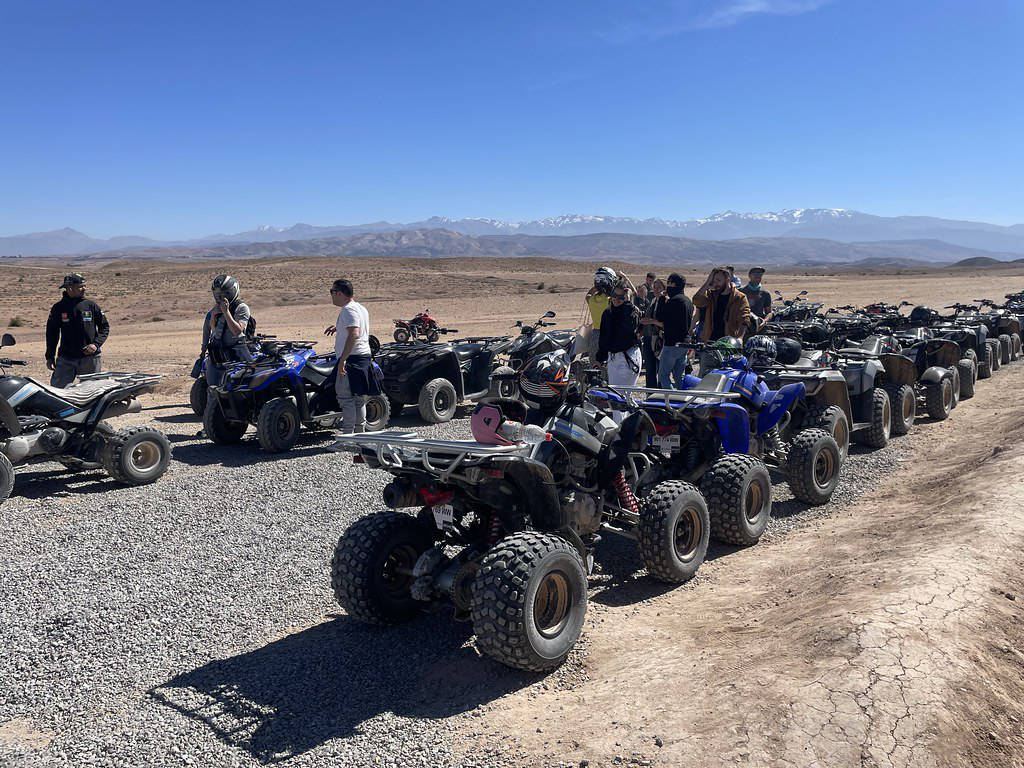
[(619, 345)]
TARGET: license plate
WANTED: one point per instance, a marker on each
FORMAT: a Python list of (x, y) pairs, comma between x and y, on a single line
[(444, 516), (667, 443)]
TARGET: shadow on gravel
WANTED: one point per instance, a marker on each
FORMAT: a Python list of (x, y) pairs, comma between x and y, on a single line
[(323, 683), (246, 453), (62, 483), (180, 418)]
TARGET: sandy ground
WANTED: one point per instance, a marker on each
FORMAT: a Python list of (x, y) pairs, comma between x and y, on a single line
[(889, 635)]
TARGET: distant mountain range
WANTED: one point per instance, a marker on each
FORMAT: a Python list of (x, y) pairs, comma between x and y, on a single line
[(832, 224), (642, 249)]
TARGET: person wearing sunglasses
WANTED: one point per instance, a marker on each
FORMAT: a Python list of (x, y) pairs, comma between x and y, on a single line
[(618, 347), (355, 379)]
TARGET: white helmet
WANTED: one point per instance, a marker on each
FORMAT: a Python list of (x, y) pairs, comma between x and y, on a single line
[(605, 279)]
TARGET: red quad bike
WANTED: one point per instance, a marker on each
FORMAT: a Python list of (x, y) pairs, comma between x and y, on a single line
[(421, 326)]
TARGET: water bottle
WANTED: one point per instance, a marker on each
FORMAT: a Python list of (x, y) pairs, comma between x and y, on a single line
[(523, 433)]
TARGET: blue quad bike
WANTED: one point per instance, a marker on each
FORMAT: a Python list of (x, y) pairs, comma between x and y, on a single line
[(285, 388)]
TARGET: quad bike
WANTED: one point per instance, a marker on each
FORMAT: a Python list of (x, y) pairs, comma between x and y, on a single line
[(505, 530), (532, 341), (198, 394), (967, 331), (43, 423), (422, 326), (1004, 326), (437, 377), (283, 389)]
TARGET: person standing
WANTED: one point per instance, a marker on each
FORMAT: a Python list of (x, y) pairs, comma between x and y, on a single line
[(652, 333), (676, 318), (597, 302), (75, 331), (619, 348), (354, 379), (736, 282), (224, 331), (725, 312), (759, 299)]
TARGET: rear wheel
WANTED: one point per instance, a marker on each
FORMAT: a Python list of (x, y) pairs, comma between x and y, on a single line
[(395, 407), (6, 478), (985, 363), (401, 335), (438, 401), (1015, 344), (218, 428), (504, 388), (433, 335), (374, 344), (966, 368), (832, 419), (954, 373), (371, 571), (1005, 349), (813, 465), (529, 601), (877, 435), (198, 395), (277, 426), (137, 455), (674, 531), (997, 356), (738, 492), (939, 398), (903, 402), (378, 413)]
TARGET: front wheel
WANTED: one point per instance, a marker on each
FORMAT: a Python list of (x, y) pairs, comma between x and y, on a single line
[(812, 466), (1015, 346), (833, 420), (374, 345), (438, 401), (218, 428), (502, 387), (674, 531), (954, 374), (529, 601), (198, 395), (877, 435), (433, 335), (738, 491), (903, 401), (378, 413), (966, 378), (985, 363), (1005, 349), (997, 355), (137, 455), (401, 335), (6, 478), (938, 398), (277, 426), (371, 571)]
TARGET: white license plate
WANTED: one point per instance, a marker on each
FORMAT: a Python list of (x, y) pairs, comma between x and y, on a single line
[(667, 443), (444, 516)]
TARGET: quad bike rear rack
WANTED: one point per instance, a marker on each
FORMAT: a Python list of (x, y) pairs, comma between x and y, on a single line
[(398, 449), (672, 400), (126, 378)]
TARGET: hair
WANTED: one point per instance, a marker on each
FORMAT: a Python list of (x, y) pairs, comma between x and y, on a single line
[(731, 268), (658, 280), (652, 275), (675, 277), (343, 286)]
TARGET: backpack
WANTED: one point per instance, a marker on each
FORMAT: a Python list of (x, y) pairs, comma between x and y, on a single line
[(250, 328)]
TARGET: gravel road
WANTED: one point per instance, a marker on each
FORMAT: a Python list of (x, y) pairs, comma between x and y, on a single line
[(191, 622)]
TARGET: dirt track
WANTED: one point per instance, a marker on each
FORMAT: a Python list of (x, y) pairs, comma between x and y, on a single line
[(887, 635)]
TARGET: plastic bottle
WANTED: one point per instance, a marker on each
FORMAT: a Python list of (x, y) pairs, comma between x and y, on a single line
[(523, 433)]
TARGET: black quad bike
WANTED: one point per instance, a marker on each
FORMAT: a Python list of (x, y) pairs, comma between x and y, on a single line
[(43, 423), (285, 388), (1004, 326), (967, 331), (507, 533), (437, 377), (533, 341)]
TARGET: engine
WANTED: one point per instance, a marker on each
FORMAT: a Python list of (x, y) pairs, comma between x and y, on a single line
[(47, 441), (583, 512)]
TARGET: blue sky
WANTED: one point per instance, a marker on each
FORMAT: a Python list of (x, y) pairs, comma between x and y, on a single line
[(175, 119)]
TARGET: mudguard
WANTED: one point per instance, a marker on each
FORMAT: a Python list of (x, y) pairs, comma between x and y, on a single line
[(943, 353), (899, 369), (778, 405), (733, 425), (934, 374), (9, 418)]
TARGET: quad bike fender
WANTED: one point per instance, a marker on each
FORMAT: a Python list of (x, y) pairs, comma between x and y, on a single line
[(943, 353), (9, 418), (733, 426), (899, 369), (1009, 325), (934, 374), (534, 497), (778, 405)]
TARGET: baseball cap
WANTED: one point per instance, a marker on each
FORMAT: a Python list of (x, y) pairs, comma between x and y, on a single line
[(762, 270), (73, 279)]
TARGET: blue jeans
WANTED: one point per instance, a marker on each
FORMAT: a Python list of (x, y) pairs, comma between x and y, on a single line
[(672, 366)]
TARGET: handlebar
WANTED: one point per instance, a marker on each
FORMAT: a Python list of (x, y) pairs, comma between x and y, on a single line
[(5, 361)]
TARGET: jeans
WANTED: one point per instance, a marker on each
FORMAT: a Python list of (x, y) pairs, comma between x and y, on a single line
[(595, 338), (353, 407), (650, 362), (672, 366), (623, 371), (65, 369)]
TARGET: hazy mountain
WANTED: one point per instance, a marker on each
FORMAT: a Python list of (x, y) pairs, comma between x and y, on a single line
[(837, 224), (644, 249)]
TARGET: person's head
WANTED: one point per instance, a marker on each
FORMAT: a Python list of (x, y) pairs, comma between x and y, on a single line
[(341, 292), (675, 284), (658, 286), (605, 279), (74, 285), (619, 295), (755, 275), (225, 287), (719, 279), (651, 277)]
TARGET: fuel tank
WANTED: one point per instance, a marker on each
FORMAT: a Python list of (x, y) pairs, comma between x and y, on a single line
[(28, 398)]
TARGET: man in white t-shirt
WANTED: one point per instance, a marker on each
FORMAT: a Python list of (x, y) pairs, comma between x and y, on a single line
[(352, 347)]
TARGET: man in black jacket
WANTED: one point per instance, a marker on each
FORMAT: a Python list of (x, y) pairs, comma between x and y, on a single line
[(675, 316), (79, 326)]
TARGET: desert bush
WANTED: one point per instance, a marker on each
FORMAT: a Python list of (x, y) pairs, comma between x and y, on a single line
[(156, 319), (540, 286), (16, 322)]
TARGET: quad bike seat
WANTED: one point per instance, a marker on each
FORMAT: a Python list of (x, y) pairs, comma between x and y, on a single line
[(467, 351), (323, 365), (713, 382), (872, 345), (82, 393)]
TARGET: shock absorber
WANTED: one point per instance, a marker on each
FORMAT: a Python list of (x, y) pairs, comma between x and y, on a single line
[(494, 530), (626, 498)]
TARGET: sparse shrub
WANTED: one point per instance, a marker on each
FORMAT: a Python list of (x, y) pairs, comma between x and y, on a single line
[(553, 289), (16, 322), (117, 274), (540, 286), (156, 319)]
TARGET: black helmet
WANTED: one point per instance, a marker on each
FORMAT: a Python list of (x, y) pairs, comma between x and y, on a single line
[(760, 350), (922, 315), (545, 379), (227, 286), (787, 350)]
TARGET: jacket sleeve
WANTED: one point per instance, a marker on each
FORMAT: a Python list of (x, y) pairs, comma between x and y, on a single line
[(742, 316), (602, 339), (102, 326), (52, 333), (701, 298), (206, 334)]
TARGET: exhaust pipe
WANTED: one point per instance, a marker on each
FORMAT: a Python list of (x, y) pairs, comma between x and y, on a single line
[(122, 407), (399, 495)]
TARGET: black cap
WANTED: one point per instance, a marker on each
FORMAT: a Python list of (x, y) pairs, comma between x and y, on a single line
[(73, 279), (762, 270)]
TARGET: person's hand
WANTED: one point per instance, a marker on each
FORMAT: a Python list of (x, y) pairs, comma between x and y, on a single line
[(223, 305), (89, 349), (341, 368), (49, 365), (330, 330)]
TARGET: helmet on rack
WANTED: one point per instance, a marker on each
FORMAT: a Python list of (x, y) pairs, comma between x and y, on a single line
[(787, 350), (226, 286), (728, 346), (922, 315), (605, 279), (545, 379), (760, 350)]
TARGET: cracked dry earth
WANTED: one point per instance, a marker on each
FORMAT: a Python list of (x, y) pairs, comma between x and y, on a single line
[(887, 635)]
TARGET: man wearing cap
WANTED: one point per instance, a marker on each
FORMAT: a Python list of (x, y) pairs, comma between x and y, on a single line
[(80, 327), (759, 299)]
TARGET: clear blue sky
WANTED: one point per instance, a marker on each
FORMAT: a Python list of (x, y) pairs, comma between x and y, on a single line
[(174, 119)]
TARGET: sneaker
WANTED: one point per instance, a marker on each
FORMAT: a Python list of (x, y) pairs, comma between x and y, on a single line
[(339, 446)]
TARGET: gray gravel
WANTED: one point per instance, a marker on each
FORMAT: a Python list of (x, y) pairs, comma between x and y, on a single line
[(191, 622)]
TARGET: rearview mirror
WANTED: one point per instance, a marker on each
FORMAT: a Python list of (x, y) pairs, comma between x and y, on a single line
[(802, 293), (7, 340), (549, 313), (518, 324)]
